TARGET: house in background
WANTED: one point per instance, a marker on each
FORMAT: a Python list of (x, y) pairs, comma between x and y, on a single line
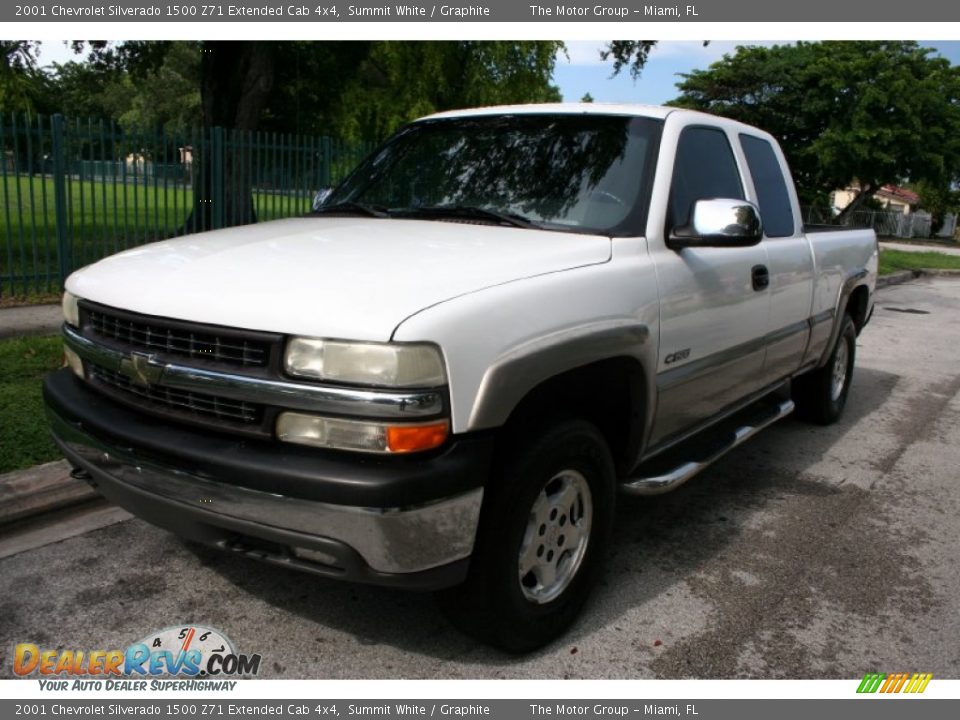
[(891, 197), (899, 215)]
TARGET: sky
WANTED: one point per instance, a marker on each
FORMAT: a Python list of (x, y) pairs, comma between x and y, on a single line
[(580, 69), (584, 71)]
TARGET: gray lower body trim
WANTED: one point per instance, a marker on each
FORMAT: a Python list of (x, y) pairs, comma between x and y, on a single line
[(821, 326), (787, 331), (679, 437), (816, 328), (703, 366), (706, 365), (822, 317), (392, 540)]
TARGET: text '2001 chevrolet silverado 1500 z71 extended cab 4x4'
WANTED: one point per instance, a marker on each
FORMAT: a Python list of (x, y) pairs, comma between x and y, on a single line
[(442, 377)]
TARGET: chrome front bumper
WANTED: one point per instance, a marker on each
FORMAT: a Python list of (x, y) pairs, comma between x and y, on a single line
[(299, 532)]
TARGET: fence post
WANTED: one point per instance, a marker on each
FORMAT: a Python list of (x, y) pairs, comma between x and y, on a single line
[(216, 180), (60, 198), (325, 158)]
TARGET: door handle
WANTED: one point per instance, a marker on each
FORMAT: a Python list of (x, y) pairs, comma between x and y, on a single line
[(760, 277)]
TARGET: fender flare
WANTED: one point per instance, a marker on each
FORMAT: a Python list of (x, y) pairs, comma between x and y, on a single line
[(854, 280), (512, 377)]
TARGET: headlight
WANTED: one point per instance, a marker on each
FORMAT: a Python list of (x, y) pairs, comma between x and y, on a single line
[(383, 364), (71, 313)]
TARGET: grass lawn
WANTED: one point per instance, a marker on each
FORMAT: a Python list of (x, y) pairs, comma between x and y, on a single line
[(892, 261), (24, 436)]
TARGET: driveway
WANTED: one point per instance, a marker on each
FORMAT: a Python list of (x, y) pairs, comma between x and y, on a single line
[(807, 552)]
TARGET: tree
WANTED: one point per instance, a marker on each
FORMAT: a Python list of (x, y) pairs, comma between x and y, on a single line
[(90, 90), (630, 54), (869, 113), (166, 97), (399, 81), (22, 84)]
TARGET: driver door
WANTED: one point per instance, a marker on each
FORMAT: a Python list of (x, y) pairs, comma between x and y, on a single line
[(713, 305)]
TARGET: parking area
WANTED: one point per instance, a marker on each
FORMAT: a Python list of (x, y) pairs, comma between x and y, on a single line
[(807, 552)]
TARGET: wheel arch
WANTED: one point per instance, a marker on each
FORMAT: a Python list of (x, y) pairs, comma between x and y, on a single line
[(857, 306), (854, 298), (599, 376)]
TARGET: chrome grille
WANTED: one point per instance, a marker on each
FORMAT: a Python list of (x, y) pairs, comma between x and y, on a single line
[(204, 343), (200, 405)]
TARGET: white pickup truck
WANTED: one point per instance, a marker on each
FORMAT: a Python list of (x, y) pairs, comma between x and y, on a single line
[(442, 377)]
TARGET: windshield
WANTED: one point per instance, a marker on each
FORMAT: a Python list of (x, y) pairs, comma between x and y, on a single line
[(585, 173)]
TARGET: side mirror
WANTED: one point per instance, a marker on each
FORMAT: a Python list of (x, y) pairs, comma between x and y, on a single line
[(321, 195), (719, 222)]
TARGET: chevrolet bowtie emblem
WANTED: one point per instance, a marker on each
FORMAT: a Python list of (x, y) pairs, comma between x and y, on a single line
[(142, 369)]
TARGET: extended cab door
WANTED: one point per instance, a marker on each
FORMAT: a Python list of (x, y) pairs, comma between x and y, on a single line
[(714, 305), (789, 256)]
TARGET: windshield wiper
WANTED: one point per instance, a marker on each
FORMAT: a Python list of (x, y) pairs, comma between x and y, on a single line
[(467, 211), (349, 206)]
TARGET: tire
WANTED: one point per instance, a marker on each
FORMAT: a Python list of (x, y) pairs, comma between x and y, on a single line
[(544, 530), (820, 395)]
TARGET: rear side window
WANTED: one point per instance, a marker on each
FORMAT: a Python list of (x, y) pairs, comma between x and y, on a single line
[(704, 168), (772, 195)]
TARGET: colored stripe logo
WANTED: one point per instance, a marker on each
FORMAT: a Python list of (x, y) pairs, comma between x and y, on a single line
[(894, 683)]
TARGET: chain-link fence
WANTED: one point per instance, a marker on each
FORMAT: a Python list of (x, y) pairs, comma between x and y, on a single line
[(886, 223)]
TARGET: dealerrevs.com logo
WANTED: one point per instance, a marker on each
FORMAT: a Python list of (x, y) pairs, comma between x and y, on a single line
[(888, 683), (189, 651)]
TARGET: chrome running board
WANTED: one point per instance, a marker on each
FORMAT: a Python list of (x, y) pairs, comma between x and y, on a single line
[(674, 478)]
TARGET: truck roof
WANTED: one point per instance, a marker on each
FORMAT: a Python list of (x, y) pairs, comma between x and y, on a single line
[(658, 112), (638, 110)]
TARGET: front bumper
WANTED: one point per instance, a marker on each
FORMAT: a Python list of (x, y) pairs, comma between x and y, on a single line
[(407, 522)]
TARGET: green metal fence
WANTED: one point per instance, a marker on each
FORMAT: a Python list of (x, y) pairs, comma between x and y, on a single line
[(73, 191)]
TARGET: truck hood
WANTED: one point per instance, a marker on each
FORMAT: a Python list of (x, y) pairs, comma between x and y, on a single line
[(355, 278)]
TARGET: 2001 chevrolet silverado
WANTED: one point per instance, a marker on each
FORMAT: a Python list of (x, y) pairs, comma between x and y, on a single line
[(442, 377)]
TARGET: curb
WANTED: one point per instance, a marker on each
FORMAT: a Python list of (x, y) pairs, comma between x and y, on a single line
[(903, 276), (896, 278), (39, 490)]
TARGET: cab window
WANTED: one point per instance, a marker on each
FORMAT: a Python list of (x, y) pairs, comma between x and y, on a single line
[(704, 168)]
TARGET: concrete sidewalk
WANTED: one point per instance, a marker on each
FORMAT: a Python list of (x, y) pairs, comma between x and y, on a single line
[(920, 247), (30, 320)]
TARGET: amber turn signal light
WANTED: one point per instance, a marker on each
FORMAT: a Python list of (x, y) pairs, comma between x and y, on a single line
[(414, 438)]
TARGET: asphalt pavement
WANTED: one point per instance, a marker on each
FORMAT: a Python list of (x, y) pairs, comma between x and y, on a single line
[(808, 552)]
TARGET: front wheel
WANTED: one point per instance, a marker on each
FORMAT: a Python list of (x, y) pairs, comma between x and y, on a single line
[(821, 395), (544, 529)]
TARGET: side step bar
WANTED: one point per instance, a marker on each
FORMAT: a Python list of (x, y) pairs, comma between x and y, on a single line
[(665, 482)]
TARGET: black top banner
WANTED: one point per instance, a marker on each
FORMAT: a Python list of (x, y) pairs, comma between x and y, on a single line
[(460, 11)]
